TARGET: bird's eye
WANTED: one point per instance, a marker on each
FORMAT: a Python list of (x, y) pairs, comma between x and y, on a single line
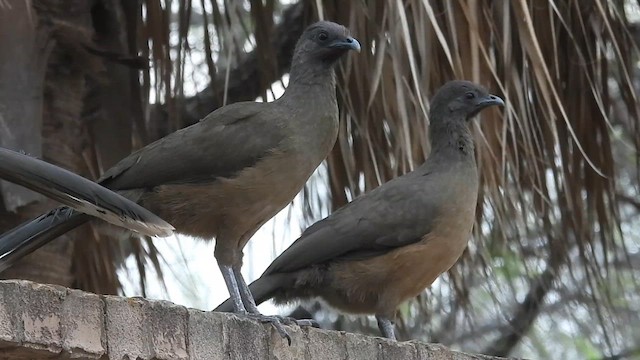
[(470, 95), (323, 36)]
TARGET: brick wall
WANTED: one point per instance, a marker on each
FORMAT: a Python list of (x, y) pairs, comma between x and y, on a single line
[(43, 321)]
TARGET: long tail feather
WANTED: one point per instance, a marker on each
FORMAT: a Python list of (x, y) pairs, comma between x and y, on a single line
[(29, 236), (79, 193)]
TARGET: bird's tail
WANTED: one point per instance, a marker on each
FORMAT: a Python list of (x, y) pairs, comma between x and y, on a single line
[(262, 290), (29, 236), (79, 193)]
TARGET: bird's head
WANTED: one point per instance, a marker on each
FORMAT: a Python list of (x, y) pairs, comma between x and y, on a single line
[(324, 41), (461, 100)]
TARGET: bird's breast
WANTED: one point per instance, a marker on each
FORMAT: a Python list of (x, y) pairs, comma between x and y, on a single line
[(316, 137), (380, 284), (237, 205)]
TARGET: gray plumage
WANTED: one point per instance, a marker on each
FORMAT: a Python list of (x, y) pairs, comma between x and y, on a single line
[(224, 147), (225, 176), (389, 244), (79, 193)]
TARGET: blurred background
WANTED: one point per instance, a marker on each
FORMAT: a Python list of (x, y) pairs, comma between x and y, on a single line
[(552, 269)]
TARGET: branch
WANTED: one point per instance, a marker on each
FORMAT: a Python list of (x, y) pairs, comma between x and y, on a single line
[(243, 84), (525, 315), (629, 200), (626, 354)]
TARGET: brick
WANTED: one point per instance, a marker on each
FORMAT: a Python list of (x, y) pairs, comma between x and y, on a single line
[(396, 350), (361, 347), (167, 325), (39, 308), (127, 337), (245, 339), (279, 349), (205, 335), (82, 326), (326, 345), (11, 329), (433, 352)]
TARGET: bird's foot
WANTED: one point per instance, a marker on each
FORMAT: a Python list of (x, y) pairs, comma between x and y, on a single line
[(300, 322), (275, 321)]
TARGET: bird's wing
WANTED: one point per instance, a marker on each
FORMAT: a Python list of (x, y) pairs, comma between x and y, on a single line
[(222, 144), (393, 215), (79, 193)]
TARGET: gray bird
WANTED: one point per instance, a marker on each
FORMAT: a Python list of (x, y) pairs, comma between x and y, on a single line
[(225, 176), (81, 194), (388, 245)]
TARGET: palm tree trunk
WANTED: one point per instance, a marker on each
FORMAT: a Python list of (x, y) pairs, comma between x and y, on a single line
[(64, 25)]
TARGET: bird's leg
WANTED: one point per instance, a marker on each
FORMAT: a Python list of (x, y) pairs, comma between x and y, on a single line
[(245, 293), (234, 291), (250, 305), (386, 327)]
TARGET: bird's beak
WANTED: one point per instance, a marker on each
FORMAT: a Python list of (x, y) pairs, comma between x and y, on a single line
[(485, 102), (489, 100), (348, 43)]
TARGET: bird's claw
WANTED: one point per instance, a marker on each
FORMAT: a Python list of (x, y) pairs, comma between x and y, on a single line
[(300, 322), (275, 321), (308, 322)]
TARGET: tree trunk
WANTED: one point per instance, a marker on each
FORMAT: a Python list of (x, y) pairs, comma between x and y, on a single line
[(22, 66), (65, 24)]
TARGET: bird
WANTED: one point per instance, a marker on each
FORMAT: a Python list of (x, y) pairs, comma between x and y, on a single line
[(79, 193), (391, 243), (228, 174)]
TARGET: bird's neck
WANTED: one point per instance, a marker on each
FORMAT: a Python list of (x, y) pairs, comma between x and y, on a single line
[(451, 140), (311, 99), (314, 87), (315, 74)]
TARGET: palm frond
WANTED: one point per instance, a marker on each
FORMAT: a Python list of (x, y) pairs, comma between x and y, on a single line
[(559, 167)]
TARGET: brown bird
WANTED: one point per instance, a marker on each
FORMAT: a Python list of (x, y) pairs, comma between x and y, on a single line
[(79, 193), (388, 245), (225, 176)]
